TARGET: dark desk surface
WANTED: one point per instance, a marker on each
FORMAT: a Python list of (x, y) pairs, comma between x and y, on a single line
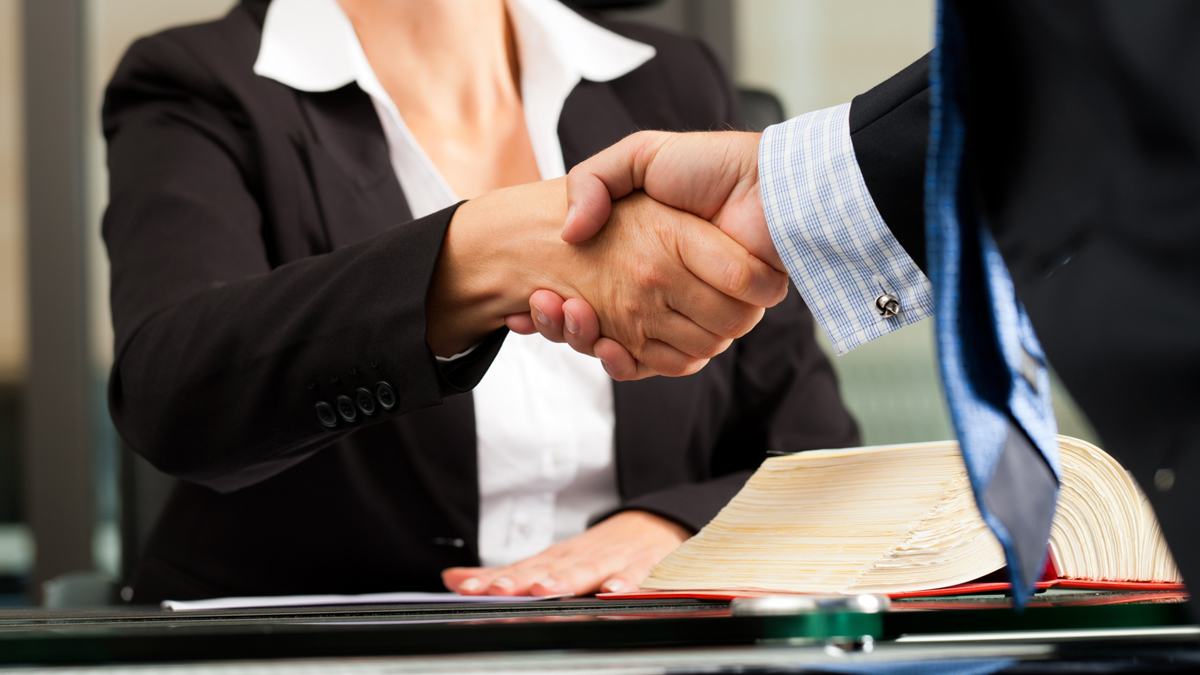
[(676, 636)]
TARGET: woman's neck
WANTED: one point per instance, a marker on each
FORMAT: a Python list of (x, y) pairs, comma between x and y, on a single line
[(456, 57), (451, 68)]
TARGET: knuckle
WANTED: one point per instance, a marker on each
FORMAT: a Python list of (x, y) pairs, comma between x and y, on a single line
[(679, 368), (587, 568), (738, 278), (673, 370), (779, 289), (533, 574), (649, 276), (645, 136), (527, 566), (711, 349), (631, 310), (694, 367), (741, 322), (731, 328)]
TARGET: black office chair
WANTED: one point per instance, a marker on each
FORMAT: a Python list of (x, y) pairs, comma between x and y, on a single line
[(760, 109), (144, 493)]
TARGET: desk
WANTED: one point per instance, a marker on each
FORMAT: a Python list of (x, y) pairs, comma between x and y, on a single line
[(635, 637)]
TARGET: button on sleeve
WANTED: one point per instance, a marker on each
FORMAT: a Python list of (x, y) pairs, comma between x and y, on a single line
[(385, 395), (346, 409), (365, 401), (325, 415)]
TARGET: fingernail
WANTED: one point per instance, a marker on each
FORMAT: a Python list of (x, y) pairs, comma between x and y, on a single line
[(571, 323), (541, 317), (548, 583), (469, 585), (613, 586), (607, 367), (503, 582), (570, 215)]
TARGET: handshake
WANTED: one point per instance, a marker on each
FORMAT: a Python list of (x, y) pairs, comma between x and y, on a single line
[(653, 256)]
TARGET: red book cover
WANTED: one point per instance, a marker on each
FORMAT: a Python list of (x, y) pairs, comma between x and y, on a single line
[(992, 583)]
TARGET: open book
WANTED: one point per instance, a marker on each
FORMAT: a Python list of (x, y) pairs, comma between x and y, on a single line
[(902, 520)]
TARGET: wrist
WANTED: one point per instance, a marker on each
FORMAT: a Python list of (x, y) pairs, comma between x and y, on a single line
[(493, 258)]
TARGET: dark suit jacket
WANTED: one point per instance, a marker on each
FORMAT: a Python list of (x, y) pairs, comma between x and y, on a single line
[(1083, 143), (264, 259)]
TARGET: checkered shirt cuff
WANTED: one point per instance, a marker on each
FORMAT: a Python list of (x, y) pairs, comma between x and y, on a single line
[(837, 249)]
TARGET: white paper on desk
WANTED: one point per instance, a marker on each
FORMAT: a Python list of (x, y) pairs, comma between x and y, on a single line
[(364, 599)]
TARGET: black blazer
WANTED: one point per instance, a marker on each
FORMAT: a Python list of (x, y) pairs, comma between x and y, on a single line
[(264, 260), (1083, 146)]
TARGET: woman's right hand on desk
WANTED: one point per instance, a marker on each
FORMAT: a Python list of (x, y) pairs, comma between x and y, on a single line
[(669, 286), (612, 556)]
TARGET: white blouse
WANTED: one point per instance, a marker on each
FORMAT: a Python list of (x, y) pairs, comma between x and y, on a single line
[(544, 416)]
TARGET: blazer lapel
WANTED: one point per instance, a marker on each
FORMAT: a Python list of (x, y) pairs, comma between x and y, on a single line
[(346, 155), (592, 119)]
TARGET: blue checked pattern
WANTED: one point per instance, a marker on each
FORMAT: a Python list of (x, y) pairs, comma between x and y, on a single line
[(836, 247), (986, 343)]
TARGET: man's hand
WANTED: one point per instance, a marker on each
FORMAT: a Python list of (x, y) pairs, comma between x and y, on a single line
[(712, 175), (666, 282), (613, 556)]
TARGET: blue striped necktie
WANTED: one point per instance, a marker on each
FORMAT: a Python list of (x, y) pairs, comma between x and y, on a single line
[(993, 369)]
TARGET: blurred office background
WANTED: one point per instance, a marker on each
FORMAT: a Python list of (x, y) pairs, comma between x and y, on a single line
[(60, 465)]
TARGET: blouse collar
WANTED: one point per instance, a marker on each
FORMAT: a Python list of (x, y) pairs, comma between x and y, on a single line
[(310, 45)]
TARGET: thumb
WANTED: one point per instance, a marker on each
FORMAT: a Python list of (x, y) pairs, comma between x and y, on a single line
[(589, 203), (610, 174)]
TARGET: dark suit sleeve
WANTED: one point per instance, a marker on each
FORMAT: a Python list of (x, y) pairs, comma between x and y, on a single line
[(889, 127), (784, 398), (221, 354)]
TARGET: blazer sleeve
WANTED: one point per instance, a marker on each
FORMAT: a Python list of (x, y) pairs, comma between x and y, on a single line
[(889, 127), (222, 354)]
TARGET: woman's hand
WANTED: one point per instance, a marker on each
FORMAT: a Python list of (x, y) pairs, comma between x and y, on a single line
[(612, 556)]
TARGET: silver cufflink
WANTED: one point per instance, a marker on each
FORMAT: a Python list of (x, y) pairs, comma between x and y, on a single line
[(887, 305)]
